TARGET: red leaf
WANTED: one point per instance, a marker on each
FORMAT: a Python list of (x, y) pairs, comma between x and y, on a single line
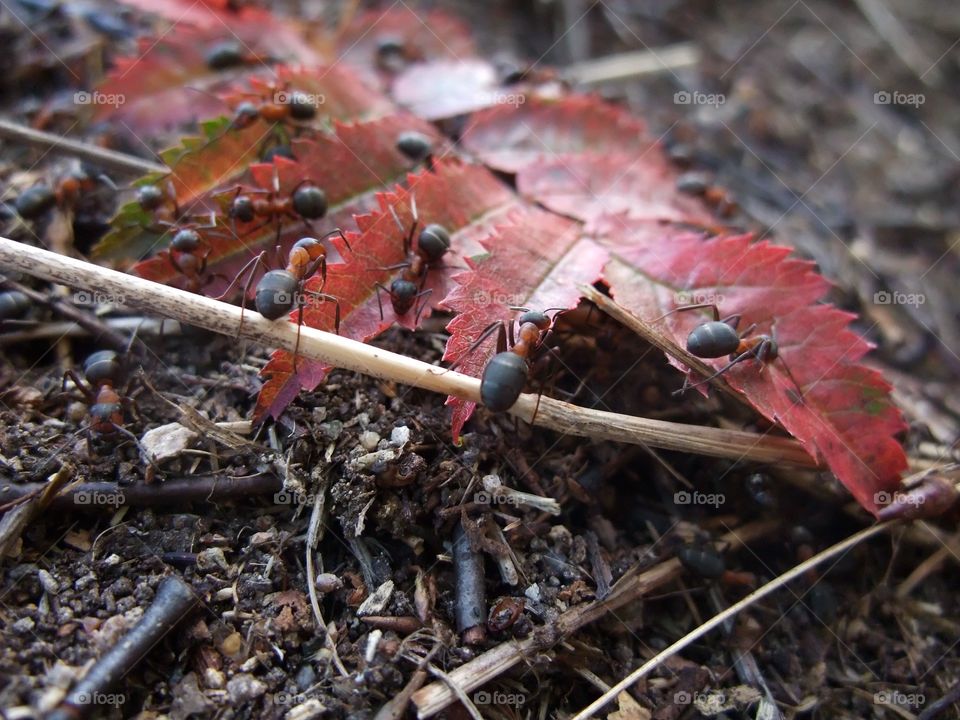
[(846, 416), (510, 137), (349, 165), (464, 199), (244, 23), (422, 35), (586, 186), (446, 88), (535, 260)]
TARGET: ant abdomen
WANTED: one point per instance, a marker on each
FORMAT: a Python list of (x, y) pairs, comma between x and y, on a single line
[(310, 202), (503, 380), (101, 367), (713, 340), (275, 293), (433, 243), (185, 241), (13, 304)]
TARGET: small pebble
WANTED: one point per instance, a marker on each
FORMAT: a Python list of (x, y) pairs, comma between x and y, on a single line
[(212, 559), (369, 440), (245, 687)]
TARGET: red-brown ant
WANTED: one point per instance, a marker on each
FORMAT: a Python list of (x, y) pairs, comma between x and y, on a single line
[(279, 291), (102, 372), (433, 242), (35, 201), (718, 337), (507, 372), (189, 252), (306, 202)]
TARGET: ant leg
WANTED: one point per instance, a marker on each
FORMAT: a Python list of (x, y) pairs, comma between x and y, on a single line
[(338, 231), (685, 308), (330, 298), (487, 331), (250, 269), (380, 304), (734, 320), (424, 294), (78, 381), (296, 345), (746, 355)]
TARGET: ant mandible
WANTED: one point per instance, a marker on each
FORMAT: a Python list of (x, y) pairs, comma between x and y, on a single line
[(433, 243), (279, 291), (718, 337), (507, 372)]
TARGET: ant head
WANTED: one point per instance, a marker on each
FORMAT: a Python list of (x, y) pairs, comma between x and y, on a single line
[(242, 208), (433, 243), (391, 53), (538, 318), (185, 241), (310, 202), (103, 366)]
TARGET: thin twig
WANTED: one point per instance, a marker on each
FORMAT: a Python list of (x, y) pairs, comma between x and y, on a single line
[(352, 355), (718, 619), (122, 325), (101, 156), (623, 66)]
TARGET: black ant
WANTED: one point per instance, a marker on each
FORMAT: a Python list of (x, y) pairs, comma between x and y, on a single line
[(306, 202), (718, 337), (433, 243), (68, 191), (709, 564), (279, 291), (507, 372), (189, 252)]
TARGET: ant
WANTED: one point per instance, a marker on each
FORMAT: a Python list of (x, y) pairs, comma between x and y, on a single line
[(279, 291), (417, 147), (432, 244), (507, 372), (37, 200), (306, 202), (718, 337), (189, 252), (102, 373), (13, 306)]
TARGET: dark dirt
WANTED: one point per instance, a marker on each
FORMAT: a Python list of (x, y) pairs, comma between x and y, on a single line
[(867, 190)]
